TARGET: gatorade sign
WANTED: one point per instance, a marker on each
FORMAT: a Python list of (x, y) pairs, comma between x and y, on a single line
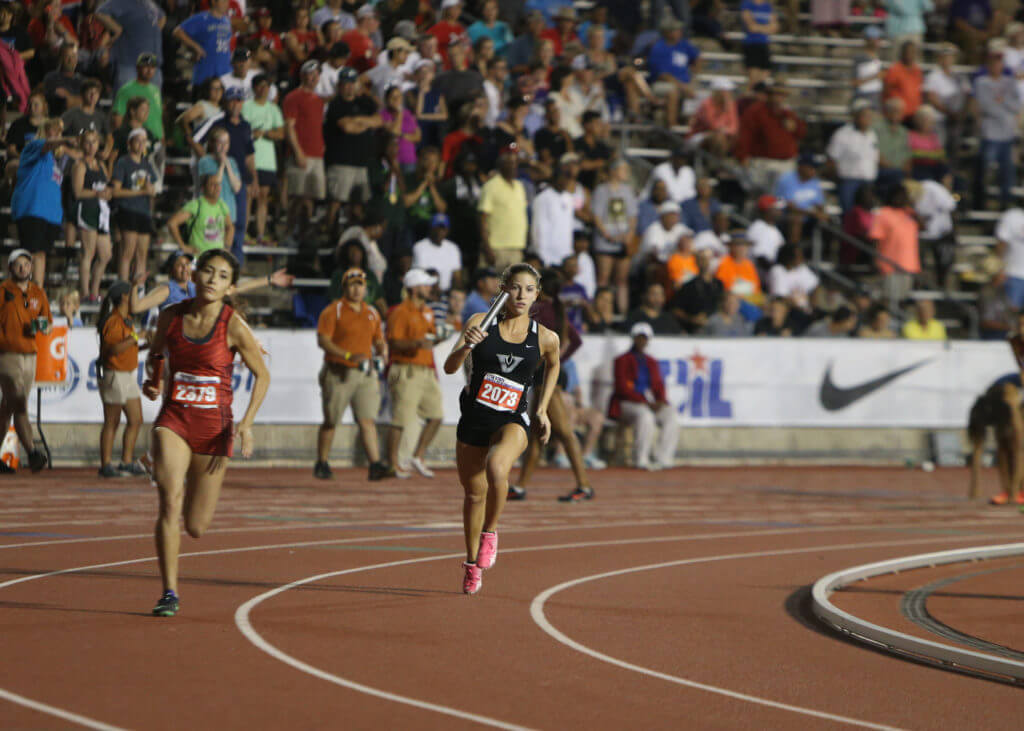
[(52, 355)]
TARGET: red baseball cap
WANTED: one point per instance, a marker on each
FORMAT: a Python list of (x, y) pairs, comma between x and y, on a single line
[(765, 202)]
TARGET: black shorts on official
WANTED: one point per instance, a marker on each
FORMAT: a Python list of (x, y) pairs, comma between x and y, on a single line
[(478, 425), (37, 235), (266, 178), (134, 221), (757, 56)]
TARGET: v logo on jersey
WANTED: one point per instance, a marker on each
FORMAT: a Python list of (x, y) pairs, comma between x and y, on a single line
[(508, 363)]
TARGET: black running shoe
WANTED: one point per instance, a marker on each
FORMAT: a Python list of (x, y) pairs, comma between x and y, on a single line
[(167, 606), (322, 471), (36, 460), (380, 471), (516, 493), (578, 495), (6, 469)]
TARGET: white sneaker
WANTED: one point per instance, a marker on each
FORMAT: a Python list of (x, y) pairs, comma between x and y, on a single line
[(654, 467), (417, 464), (593, 462), (402, 471), (561, 461)]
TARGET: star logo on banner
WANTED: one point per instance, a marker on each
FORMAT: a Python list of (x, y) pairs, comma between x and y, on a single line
[(700, 362)]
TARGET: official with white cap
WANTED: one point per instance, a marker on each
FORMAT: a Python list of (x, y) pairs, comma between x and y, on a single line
[(639, 400), (412, 378), (24, 311)]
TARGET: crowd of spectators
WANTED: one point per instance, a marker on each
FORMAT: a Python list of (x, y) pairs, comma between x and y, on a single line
[(461, 138)]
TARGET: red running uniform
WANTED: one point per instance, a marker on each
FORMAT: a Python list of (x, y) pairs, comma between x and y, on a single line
[(197, 401)]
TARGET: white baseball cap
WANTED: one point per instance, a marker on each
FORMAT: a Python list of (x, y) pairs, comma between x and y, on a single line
[(641, 328), (16, 254), (418, 278)]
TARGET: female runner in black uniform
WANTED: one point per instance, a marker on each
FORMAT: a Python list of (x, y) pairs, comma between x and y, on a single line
[(492, 431)]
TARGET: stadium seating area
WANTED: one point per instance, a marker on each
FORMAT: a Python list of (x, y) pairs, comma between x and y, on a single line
[(570, 90)]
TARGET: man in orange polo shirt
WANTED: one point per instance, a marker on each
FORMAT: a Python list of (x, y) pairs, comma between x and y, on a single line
[(24, 310), (412, 379), (737, 272), (349, 331)]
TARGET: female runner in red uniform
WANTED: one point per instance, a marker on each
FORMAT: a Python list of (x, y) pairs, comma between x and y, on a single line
[(492, 429), (193, 433)]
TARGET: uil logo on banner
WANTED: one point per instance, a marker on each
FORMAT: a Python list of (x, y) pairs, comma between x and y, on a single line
[(508, 362), (700, 377)]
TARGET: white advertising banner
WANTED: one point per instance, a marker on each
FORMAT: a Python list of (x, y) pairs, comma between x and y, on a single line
[(711, 382)]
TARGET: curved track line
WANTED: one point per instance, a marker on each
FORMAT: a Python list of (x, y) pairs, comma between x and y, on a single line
[(36, 705), (537, 613), (244, 624), (58, 712)]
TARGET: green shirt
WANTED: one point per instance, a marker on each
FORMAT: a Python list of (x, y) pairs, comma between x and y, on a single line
[(893, 143), (207, 223), (266, 117), (155, 120)]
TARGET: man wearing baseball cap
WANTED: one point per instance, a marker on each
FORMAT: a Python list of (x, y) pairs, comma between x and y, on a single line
[(303, 118), (145, 71), (640, 401), (449, 27), (360, 39), (412, 378), (24, 311), (349, 333), (242, 151), (438, 253)]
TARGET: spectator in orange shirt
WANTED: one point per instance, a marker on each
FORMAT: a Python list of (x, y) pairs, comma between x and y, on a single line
[(682, 265), (895, 233), (736, 270), (412, 380), (904, 79), (24, 311), (349, 332), (117, 368)]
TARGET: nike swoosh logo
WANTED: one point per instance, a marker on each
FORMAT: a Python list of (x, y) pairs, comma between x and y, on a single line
[(834, 398)]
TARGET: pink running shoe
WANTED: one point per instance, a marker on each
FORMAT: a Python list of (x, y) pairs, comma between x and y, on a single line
[(473, 580), (487, 555)]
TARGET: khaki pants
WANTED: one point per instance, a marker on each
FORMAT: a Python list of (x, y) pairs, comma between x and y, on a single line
[(504, 258), (415, 392), (765, 171), (644, 421), (341, 386), (119, 387), (19, 372)]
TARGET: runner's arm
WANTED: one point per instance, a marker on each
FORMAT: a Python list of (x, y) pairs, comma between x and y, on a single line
[(462, 348)]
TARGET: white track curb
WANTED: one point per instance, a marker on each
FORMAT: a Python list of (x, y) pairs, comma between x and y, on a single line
[(899, 642)]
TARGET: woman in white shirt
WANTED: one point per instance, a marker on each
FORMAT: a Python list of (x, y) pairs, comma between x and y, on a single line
[(947, 92)]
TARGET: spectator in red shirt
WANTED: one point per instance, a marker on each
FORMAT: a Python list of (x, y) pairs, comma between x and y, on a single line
[(363, 51), (467, 136), (50, 29), (301, 41), (303, 117), (449, 28), (564, 31), (269, 51), (769, 138), (639, 401)]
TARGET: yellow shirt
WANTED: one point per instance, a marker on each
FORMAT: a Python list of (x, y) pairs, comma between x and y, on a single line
[(505, 206), (934, 330)]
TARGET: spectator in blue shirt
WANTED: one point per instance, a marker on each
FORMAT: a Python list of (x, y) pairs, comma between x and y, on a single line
[(136, 27), (549, 8), (208, 36), (486, 285), (759, 21), (805, 200), (36, 203), (490, 27), (673, 62)]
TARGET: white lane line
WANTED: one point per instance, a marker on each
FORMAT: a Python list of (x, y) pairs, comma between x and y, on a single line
[(244, 623), (58, 712), (537, 613), (364, 539)]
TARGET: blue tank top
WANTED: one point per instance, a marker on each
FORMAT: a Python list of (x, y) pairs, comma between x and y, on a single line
[(176, 293)]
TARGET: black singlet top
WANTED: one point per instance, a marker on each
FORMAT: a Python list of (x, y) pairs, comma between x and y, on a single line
[(501, 372)]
